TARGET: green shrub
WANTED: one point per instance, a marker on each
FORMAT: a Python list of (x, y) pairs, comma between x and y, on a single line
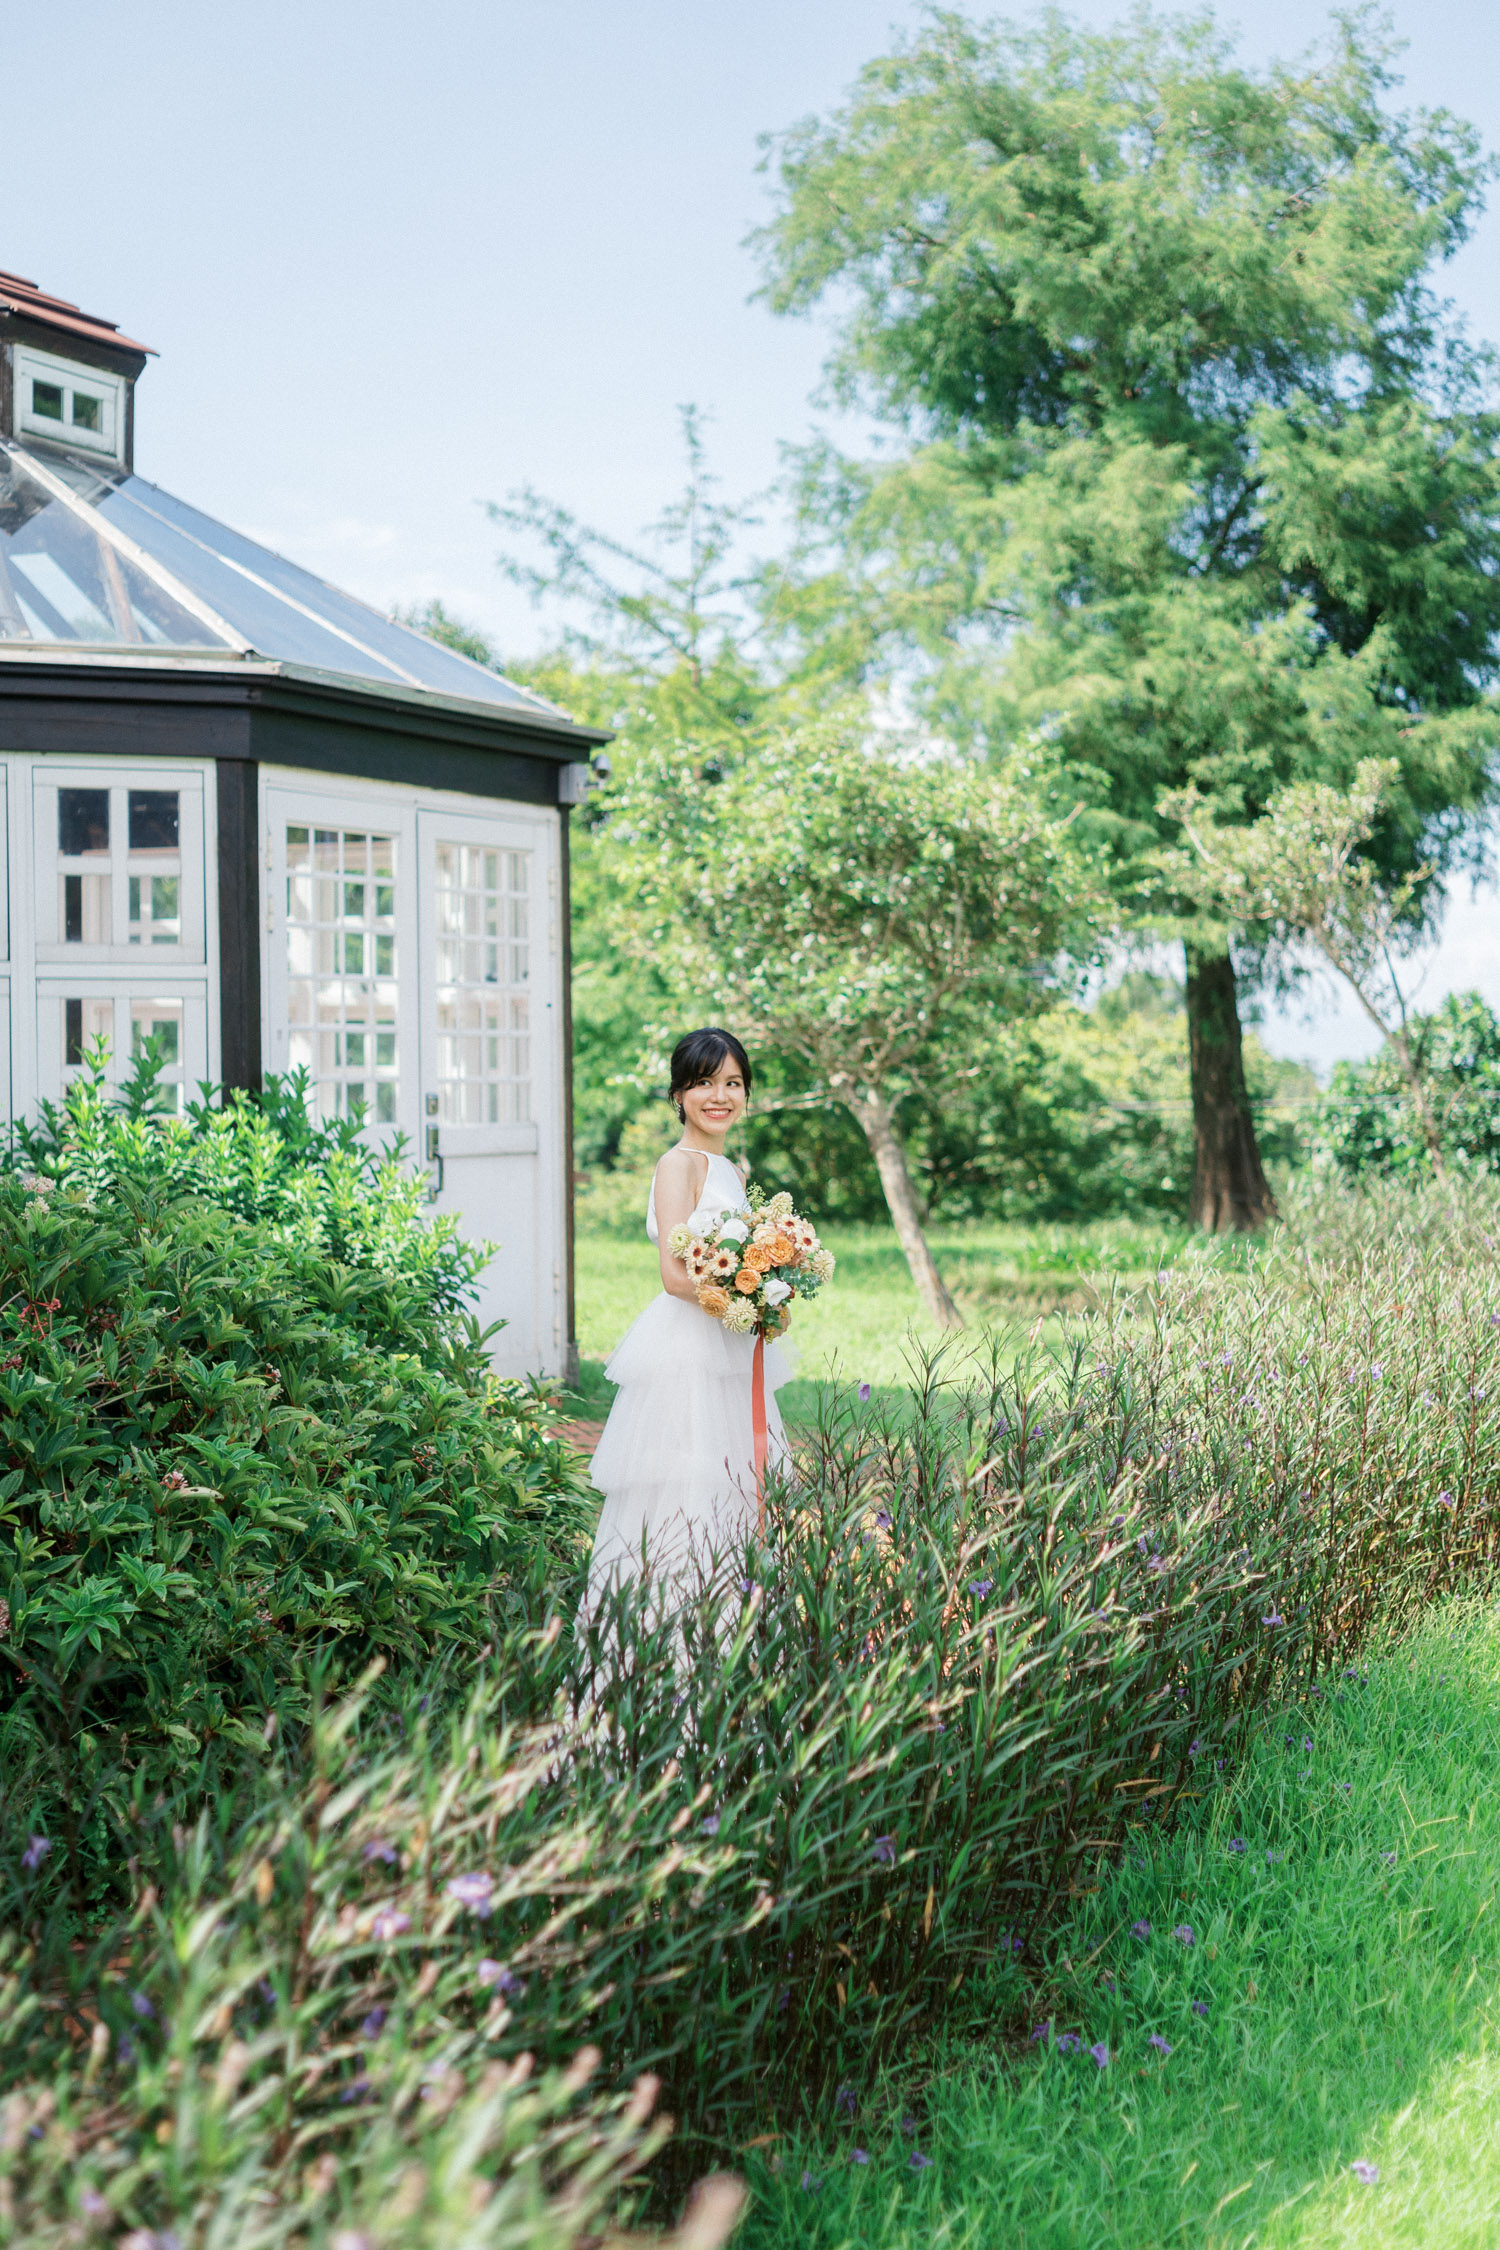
[(246, 1415), (1367, 1123)]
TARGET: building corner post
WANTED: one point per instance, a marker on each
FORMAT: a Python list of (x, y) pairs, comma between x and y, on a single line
[(565, 909)]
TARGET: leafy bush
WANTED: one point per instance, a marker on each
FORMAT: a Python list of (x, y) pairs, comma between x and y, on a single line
[(246, 1415), (1368, 1124)]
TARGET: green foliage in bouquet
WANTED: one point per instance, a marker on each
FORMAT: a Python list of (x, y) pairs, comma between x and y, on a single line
[(246, 1414)]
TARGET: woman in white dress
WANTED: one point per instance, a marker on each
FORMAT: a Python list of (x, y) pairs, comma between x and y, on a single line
[(676, 1462)]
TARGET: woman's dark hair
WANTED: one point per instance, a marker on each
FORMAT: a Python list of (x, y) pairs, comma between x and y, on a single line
[(698, 1056)]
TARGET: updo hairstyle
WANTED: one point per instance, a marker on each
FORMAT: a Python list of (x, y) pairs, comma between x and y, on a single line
[(698, 1056)]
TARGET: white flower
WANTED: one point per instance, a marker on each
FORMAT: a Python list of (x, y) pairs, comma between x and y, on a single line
[(741, 1316), (734, 1230), (779, 1206), (679, 1240), (775, 1292), (820, 1265)]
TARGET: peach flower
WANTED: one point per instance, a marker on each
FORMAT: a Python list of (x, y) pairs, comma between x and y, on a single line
[(714, 1300), (748, 1282)]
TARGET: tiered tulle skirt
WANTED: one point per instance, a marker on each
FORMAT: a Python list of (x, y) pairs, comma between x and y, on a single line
[(676, 1462)]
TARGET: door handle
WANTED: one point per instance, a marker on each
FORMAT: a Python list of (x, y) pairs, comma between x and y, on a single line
[(434, 1156)]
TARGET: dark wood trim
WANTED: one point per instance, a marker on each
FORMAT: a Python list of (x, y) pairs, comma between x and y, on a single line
[(239, 924), (565, 909), (281, 738)]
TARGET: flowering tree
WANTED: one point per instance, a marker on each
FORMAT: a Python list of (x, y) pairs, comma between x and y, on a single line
[(1298, 873), (868, 911)]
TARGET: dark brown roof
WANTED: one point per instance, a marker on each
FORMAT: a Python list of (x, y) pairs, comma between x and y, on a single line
[(24, 297)]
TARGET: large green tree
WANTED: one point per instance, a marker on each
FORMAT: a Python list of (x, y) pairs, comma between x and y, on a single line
[(1184, 433)]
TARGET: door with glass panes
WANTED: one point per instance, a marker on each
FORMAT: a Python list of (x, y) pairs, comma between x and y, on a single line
[(119, 925), (411, 965), (491, 1043)]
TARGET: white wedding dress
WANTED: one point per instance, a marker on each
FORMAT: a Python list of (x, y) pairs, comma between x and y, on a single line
[(676, 1462)]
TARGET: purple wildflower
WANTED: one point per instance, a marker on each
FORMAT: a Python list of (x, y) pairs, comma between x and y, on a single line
[(1389, 1858), (355, 2088), (908, 2125), (919, 2162), (503, 1979), (1275, 1618), (1140, 1929), (1067, 2042), (1307, 1742), (811, 2182), (37, 1848), (1376, 1370), (884, 1518), (1100, 2055), (1162, 2046), (140, 2005), (92, 2204), (389, 1923), (379, 1849), (980, 1585), (1200, 2007), (1236, 1844), (1042, 2032), (846, 2099), (1194, 1747), (373, 2024), (476, 1891), (1184, 1934), (884, 1848), (1273, 1857), (1369, 2173), (859, 2156), (864, 1391), (1445, 1500), (709, 1825)]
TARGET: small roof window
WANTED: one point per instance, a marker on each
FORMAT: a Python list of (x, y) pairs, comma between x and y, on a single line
[(82, 408)]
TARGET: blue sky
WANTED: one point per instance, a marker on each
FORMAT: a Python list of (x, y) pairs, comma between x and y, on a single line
[(398, 260)]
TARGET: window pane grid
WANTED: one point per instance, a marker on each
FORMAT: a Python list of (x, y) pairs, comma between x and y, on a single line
[(341, 958), (88, 1022), (90, 848), (483, 972)]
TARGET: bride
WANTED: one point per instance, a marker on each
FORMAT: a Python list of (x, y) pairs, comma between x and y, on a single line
[(676, 1460)]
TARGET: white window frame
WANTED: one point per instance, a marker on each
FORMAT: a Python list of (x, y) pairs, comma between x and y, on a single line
[(485, 831), (52, 991), (70, 376), (51, 946), (358, 809)]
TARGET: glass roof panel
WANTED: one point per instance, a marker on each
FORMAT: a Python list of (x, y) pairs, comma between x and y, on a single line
[(62, 581), (285, 611)]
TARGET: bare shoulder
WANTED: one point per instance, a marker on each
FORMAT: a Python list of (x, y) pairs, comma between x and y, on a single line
[(682, 1171)]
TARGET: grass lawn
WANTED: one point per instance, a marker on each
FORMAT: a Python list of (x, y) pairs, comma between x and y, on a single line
[(1004, 1277), (1339, 2004)]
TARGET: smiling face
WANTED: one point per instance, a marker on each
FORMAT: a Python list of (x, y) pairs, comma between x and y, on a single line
[(715, 1104)]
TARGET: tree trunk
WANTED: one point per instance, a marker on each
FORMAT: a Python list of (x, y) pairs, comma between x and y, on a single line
[(1231, 1194), (879, 1128)]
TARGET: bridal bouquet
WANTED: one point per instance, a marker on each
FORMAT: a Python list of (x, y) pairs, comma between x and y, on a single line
[(747, 1270)]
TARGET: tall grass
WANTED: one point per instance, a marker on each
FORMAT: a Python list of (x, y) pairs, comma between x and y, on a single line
[(759, 1839)]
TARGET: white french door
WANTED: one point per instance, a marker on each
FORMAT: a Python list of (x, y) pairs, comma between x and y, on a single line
[(491, 1125), (413, 971)]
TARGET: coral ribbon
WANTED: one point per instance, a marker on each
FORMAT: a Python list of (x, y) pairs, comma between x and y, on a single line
[(758, 1424)]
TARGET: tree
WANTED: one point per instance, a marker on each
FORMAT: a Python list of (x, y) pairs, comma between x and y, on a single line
[(1183, 427), (868, 912), (1299, 874)]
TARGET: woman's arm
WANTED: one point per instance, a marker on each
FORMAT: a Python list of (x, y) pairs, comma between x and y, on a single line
[(679, 1182)]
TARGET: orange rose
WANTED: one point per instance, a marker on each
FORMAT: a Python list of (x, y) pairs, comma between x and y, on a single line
[(759, 1256), (714, 1300), (783, 1251), (748, 1283)]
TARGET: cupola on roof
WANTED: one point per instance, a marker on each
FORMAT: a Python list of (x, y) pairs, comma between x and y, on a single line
[(96, 559)]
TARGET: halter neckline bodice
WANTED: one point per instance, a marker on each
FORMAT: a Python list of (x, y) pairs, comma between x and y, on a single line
[(723, 1191)]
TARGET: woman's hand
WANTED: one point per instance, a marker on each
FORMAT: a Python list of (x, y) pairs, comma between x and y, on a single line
[(679, 1183)]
